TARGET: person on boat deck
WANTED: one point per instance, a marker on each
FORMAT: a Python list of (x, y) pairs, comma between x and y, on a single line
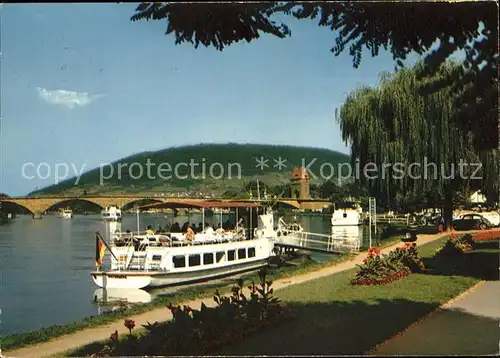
[(175, 227), (149, 230), (189, 233), (185, 226), (208, 229), (199, 228), (228, 225), (219, 228)]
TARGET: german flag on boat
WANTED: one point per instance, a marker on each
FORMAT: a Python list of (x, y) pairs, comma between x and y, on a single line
[(100, 249)]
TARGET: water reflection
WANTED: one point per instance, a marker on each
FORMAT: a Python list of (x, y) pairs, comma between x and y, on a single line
[(125, 295)]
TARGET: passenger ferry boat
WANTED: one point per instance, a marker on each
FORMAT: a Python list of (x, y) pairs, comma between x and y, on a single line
[(111, 213), (146, 260), (66, 213)]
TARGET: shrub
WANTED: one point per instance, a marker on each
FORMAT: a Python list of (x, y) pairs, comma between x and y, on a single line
[(408, 256), (195, 332)]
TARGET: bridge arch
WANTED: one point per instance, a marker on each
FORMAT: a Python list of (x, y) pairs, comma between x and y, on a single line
[(130, 202), (68, 200), (16, 205)]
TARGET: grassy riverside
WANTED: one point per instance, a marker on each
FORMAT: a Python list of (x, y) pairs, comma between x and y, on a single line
[(20, 340), (345, 319)]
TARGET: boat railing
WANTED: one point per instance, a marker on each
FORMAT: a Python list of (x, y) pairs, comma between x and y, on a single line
[(140, 243)]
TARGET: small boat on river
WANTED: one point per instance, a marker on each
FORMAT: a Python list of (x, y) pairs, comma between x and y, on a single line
[(149, 259), (111, 213), (66, 214)]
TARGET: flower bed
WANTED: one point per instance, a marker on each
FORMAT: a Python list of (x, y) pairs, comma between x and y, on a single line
[(456, 245), (384, 280), (382, 269), (200, 332), (486, 235)]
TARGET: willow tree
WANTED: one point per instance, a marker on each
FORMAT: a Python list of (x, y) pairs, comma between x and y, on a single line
[(413, 141)]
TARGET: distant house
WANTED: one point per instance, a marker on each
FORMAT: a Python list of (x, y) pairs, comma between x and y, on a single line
[(477, 198)]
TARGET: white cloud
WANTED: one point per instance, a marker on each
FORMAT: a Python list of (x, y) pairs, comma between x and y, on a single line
[(69, 99)]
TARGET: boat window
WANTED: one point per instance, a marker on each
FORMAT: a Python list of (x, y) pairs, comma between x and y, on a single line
[(219, 256), (231, 255), (195, 260), (345, 215), (242, 254), (156, 257), (208, 258), (251, 252), (179, 261)]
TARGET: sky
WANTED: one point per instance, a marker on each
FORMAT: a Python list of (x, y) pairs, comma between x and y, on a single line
[(83, 85)]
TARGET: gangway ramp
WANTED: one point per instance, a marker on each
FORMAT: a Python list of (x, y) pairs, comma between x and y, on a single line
[(316, 242)]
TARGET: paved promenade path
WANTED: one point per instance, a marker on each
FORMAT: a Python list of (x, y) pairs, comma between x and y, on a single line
[(467, 325), (70, 341)]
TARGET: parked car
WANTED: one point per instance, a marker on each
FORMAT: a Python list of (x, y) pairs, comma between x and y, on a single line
[(471, 222), (431, 219)]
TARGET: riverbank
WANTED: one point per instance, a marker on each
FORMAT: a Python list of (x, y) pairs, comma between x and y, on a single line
[(83, 337)]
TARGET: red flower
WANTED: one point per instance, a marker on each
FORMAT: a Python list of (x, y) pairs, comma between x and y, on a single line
[(130, 324), (414, 244), (365, 261), (454, 235)]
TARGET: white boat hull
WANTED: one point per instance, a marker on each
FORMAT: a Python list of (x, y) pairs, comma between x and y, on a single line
[(142, 279), (121, 279), (111, 214), (111, 218)]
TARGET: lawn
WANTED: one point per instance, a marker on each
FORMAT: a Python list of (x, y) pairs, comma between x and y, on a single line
[(336, 318)]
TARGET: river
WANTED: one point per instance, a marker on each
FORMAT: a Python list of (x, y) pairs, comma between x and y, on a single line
[(45, 267)]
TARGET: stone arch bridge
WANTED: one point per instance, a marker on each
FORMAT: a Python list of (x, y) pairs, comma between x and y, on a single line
[(38, 205)]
